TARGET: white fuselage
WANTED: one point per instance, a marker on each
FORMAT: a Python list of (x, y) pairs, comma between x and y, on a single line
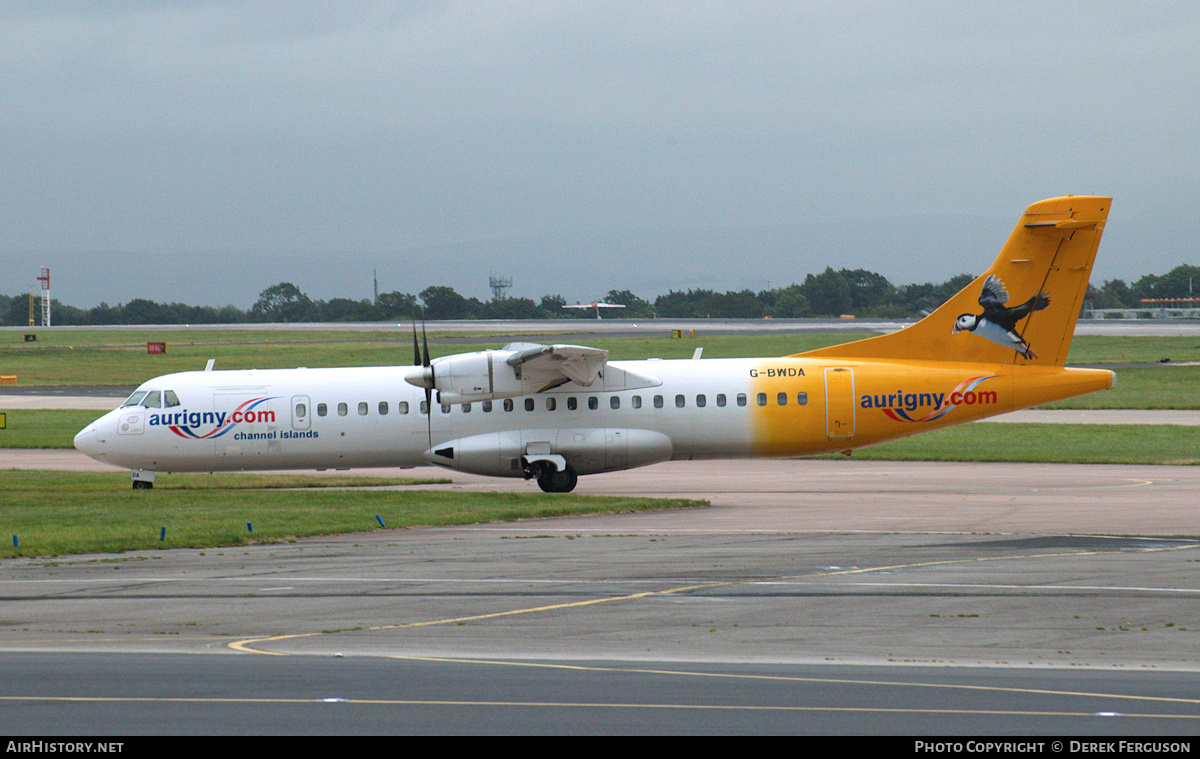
[(370, 417)]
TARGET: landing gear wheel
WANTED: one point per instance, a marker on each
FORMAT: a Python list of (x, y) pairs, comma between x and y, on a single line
[(142, 485), (555, 481)]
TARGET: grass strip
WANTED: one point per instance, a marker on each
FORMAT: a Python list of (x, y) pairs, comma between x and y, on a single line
[(1046, 443), (1133, 349), (43, 428), (56, 513), (97, 358), (118, 357), (1143, 387)]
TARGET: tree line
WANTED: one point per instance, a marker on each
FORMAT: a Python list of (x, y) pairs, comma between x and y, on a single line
[(828, 294)]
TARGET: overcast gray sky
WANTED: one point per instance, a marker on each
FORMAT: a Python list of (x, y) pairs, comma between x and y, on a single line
[(202, 151)]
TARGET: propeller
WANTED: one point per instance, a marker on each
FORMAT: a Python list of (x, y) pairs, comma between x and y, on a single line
[(421, 358)]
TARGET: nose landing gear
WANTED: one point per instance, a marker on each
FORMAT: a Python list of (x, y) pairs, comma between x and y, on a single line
[(143, 479)]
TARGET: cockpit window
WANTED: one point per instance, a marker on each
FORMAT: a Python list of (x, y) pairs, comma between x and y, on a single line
[(134, 399), (153, 399), (170, 399)]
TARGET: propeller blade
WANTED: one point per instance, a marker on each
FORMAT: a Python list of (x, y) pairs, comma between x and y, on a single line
[(429, 387), (425, 338)]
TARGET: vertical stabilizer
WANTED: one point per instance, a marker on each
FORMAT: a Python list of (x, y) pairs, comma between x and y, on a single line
[(1020, 311)]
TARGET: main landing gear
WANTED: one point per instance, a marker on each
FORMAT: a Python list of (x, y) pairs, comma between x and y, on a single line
[(550, 478), (558, 480), (553, 473)]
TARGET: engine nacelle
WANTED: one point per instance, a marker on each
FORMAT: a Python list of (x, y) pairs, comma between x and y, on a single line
[(469, 377), (588, 450)]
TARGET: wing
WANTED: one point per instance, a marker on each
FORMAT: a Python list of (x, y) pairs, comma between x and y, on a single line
[(994, 295), (1015, 314)]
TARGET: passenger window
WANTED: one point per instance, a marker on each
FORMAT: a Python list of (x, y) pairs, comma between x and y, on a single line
[(551, 404), (572, 403), (402, 407), (383, 408), (487, 407), (701, 401), (508, 404), (614, 402), (658, 401), (721, 400), (445, 408), (802, 399), (529, 405), (362, 408), (322, 409), (424, 407), (762, 399), (782, 398), (593, 402), (741, 399), (637, 401), (680, 401), (301, 410), (170, 399), (466, 408), (343, 409)]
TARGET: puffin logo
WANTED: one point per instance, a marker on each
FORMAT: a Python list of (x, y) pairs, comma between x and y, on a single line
[(998, 323), (187, 424), (904, 407)]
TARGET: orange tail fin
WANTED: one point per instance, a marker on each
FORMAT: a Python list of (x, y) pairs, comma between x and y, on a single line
[(1020, 311)]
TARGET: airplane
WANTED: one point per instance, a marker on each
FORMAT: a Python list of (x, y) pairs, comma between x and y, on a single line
[(596, 305), (553, 413)]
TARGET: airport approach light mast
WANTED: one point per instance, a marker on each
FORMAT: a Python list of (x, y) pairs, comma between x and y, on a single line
[(45, 280)]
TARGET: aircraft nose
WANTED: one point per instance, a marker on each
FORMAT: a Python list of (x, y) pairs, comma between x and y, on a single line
[(87, 442)]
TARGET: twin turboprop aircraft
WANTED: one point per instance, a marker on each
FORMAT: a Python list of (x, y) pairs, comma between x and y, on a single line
[(556, 412)]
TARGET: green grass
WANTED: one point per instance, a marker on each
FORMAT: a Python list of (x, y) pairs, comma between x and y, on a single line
[(1104, 349), (43, 428), (720, 346), (1046, 443), (118, 357), (131, 366), (55, 513), (101, 357), (1144, 387)]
